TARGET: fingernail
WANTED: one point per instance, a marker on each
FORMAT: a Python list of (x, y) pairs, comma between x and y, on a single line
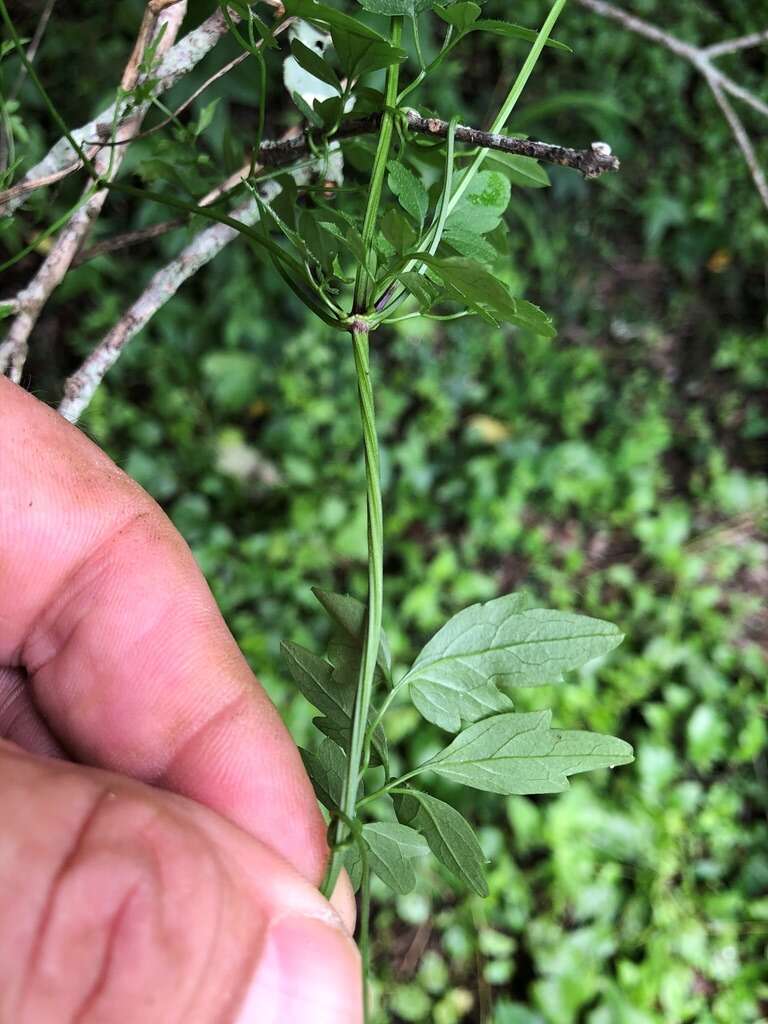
[(309, 971)]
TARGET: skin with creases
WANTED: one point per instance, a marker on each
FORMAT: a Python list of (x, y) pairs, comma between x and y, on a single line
[(161, 844)]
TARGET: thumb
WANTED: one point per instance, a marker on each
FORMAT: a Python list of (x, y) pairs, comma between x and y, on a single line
[(120, 902)]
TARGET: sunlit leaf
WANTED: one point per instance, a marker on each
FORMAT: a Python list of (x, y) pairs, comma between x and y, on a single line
[(483, 204)]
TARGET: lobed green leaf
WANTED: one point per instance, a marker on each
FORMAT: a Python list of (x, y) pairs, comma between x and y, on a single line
[(504, 641), (327, 769), (519, 754), (482, 206), (449, 835)]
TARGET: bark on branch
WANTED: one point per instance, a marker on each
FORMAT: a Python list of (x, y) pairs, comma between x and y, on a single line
[(591, 162)]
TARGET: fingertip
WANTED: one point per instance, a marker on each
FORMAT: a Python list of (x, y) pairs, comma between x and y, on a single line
[(309, 970)]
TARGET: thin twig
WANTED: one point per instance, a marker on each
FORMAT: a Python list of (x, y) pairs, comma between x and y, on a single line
[(208, 243), (701, 58), (695, 55), (742, 140), (591, 162), (187, 102), (740, 43), (177, 62), (127, 239), (32, 299), (34, 46), (201, 89)]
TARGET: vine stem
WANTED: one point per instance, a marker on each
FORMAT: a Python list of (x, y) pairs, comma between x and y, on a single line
[(362, 281), (361, 351), (355, 763), (365, 932)]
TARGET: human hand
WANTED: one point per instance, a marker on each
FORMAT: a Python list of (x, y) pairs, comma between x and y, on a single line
[(161, 844)]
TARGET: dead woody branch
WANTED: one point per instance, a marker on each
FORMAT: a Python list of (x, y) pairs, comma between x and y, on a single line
[(205, 246), (163, 27), (702, 59), (176, 62), (591, 162)]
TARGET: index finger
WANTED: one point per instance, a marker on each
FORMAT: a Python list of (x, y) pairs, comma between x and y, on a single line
[(128, 657)]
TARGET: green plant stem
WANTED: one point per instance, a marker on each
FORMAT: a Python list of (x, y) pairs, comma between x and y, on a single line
[(362, 281), (364, 931), (394, 786), (429, 68), (360, 344), (498, 124), (356, 764), (512, 97)]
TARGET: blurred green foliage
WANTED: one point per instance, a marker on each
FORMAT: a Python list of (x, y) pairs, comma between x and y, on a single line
[(617, 470)]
